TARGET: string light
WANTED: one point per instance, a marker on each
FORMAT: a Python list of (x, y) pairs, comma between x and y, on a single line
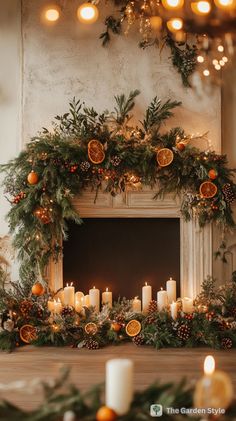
[(225, 4), (174, 24), (206, 72), (52, 14), (200, 59), (173, 4), (87, 13), (202, 7), (220, 48)]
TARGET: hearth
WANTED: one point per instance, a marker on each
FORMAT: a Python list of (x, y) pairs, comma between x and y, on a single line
[(122, 254)]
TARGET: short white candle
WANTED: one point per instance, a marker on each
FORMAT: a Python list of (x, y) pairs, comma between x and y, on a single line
[(162, 299), (146, 296), (107, 298), (86, 301), (69, 295), (119, 385), (58, 306), (94, 296), (174, 310), (51, 305), (79, 295), (187, 305), (136, 305), (171, 290)]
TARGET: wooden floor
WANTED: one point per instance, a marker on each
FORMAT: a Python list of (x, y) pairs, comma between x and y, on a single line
[(88, 367)]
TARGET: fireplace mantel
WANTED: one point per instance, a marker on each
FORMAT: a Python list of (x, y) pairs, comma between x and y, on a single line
[(195, 242)]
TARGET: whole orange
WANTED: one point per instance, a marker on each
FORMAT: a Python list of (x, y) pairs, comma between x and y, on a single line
[(212, 174), (106, 414), (32, 178), (116, 327), (180, 146), (37, 289)]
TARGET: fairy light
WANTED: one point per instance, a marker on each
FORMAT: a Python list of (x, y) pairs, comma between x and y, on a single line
[(225, 59), (87, 13), (200, 59), (174, 24), (206, 72), (215, 62), (52, 14), (173, 4), (202, 7), (225, 4), (217, 66), (222, 63), (220, 48)]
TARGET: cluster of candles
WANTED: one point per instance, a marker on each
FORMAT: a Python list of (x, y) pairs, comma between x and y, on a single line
[(77, 300), (214, 390)]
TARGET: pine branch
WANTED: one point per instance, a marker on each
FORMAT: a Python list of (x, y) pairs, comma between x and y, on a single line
[(125, 105)]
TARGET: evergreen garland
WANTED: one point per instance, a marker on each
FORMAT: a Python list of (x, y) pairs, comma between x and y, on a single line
[(63, 169)]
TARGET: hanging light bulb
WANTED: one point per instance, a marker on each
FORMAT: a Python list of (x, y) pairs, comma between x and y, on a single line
[(173, 4), (87, 13), (225, 4), (51, 14), (202, 7), (174, 24)]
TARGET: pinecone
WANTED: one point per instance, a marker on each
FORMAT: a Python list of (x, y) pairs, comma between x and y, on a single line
[(210, 315), (120, 319), (138, 340), (184, 332), (150, 320), (115, 161), (67, 311), (233, 312), (25, 308), (91, 344), (188, 316), (226, 343), (152, 308), (228, 193), (84, 166)]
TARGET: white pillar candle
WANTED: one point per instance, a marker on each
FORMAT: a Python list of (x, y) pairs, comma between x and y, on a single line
[(107, 298), (86, 301), (136, 305), (78, 296), (51, 305), (58, 306), (146, 296), (94, 296), (162, 299), (174, 310), (119, 385), (69, 295), (61, 296), (187, 305), (79, 305), (171, 290)]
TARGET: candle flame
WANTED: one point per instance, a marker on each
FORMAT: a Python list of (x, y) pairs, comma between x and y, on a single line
[(94, 287), (58, 300), (146, 283), (170, 278), (55, 301), (209, 365), (71, 284), (106, 289), (67, 284), (161, 289), (136, 298)]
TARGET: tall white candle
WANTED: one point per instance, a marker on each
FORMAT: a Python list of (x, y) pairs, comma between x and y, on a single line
[(94, 296), (69, 295), (174, 310), (171, 290), (61, 296), (107, 298), (119, 385), (162, 299), (136, 305), (187, 305), (146, 296)]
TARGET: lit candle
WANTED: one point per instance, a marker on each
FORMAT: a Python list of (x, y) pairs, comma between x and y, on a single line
[(51, 305), (119, 385), (86, 301), (214, 389), (79, 295), (171, 290), (146, 296), (57, 306), (61, 296), (162, 299), (94, 296), (136, 305), (174, 310), (69, 295), (79, 305), (187, 305), (107, 298)]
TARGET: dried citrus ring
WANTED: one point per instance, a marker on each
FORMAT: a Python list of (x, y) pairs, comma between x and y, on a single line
[(96, 152), (91, 328), (208, 189), (133, 328), (164, 157), (28, 333)]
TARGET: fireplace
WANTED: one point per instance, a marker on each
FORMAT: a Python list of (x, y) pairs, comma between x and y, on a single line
[(194, 247), (122, 254)]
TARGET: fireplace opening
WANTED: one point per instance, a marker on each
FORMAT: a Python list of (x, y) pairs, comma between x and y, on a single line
[(122, 254)]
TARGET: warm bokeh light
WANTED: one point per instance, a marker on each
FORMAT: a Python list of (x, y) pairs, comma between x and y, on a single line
[(174, 24), (225, 4), (220, 48), (225, 59), (87, 13), (217, 66), (52, 14), (200, 59), (202, 7), (206, 72), (156, 22), (209, 365), (173, 4)]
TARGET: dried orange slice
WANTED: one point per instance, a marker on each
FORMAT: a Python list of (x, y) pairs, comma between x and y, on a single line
[(133, 328), (91, 328), (28, 333), (164, 157), (96, 152), (208, 189)]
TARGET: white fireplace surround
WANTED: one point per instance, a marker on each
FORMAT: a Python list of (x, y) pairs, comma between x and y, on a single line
[(195, 242)]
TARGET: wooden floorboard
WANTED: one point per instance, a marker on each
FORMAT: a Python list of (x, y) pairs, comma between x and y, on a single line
[(88, 367)]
